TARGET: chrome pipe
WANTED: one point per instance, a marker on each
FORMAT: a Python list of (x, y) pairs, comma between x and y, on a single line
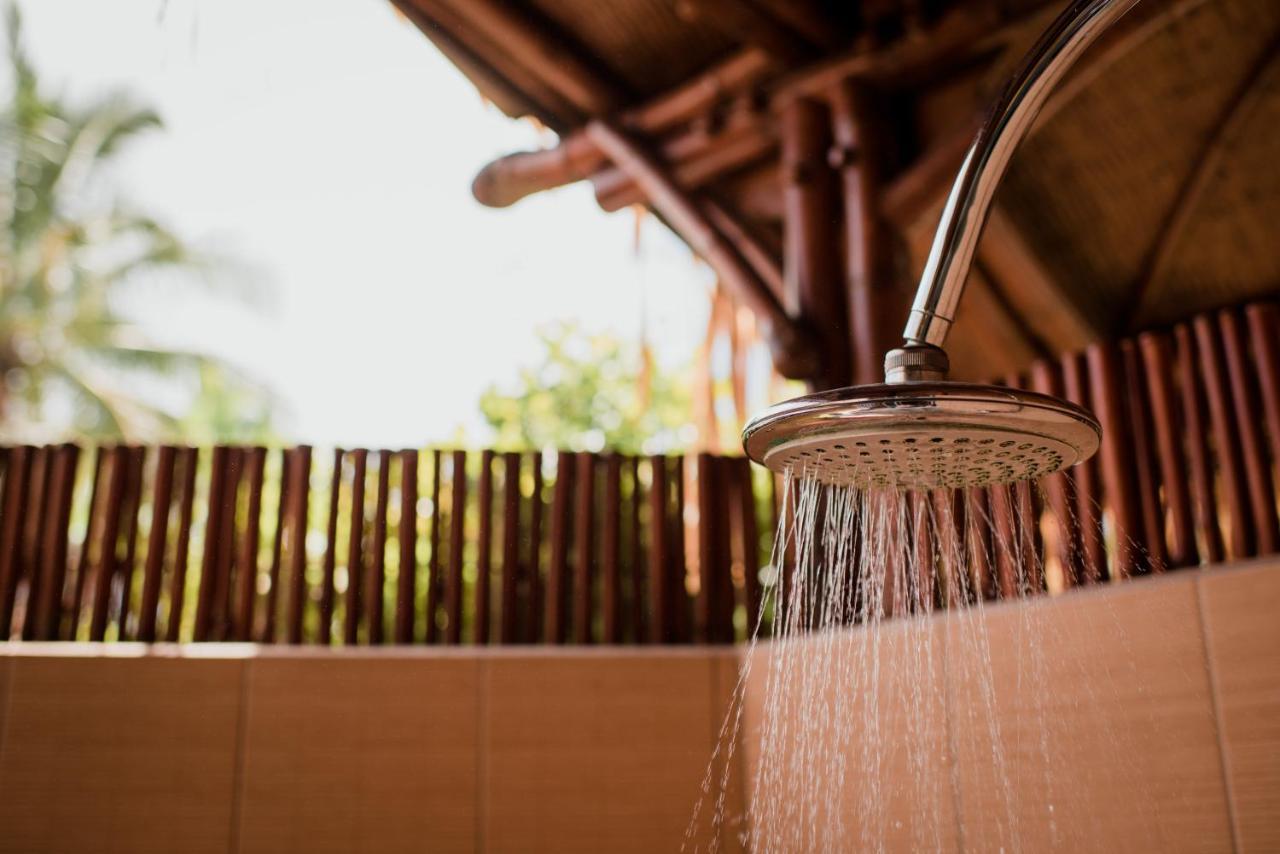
[(969, 202)]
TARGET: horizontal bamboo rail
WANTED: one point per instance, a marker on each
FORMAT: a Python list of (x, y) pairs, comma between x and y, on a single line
[(457, 547)]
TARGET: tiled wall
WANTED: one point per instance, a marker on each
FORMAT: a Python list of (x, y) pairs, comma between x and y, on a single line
[(372, 751), (1144, 717), (1161, 699)]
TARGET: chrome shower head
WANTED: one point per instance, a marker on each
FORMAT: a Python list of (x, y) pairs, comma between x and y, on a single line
[(922, 435)]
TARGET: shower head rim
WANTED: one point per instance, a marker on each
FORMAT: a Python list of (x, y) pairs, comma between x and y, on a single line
[(904, 408)]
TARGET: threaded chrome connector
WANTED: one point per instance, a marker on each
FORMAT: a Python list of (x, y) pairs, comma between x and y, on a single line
[(916, 363)]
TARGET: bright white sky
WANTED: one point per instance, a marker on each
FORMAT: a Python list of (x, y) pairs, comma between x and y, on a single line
[(326, 145)]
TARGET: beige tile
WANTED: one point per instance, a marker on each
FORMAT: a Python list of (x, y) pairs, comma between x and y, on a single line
[(1240, 607), (595, 752), (846, 742), (1099, 703), (360, 754), (119, 754)]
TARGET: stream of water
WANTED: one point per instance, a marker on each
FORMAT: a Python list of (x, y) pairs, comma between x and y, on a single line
[(870, 724)]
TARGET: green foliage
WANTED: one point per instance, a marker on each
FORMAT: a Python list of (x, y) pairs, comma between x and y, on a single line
[(69, 248), (590, 392)]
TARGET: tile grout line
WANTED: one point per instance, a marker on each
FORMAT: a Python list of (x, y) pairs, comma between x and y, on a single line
[(1215, 697), (237, 774)]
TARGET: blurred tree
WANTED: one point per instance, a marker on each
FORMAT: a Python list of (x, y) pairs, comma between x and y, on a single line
[(591, 392), (68, 250)]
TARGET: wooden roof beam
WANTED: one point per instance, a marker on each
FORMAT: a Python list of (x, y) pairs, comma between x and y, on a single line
[(512, 177), (535, 45), (503, 183), (791, 347)]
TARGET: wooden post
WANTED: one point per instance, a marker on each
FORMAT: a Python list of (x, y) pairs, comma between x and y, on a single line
[(1093, 556), (44, 611), (1046, 380), (1248, 424), (1144, 462), (533, 627), (811, 237), (876, 307)]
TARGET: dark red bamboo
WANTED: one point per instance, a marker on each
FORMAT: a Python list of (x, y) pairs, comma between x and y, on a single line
[(1086, 481), (678, 605), (16, 476), (48, 606), (1248, 422), (533, 627), (1106, 381), (707, 622), (509, 625), (406, 593), (978, 545), (1226, 444), (611, 553), (949, 525), (558, 570), (31, 552), (299, 505), (749, 536), (1006, 543), (242, 623), (1157, 361), (435, 577), (329, 566), (659, 554), (584, 556), (190, 460), (92, 535), (635, 554), (355, 549), (457, 531), (221, 607), (484, 549), (923, 541), (157, 541), (1263, 319), (1057, 487), (375, 595), (212, 525), (1145, 465), (271, 608), (104, 572), (1200, 468)]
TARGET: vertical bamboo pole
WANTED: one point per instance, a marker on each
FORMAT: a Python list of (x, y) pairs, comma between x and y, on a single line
[(811, 237), (329, 567), (457, 533), (484, 569), (1157, 361), (190, 460), (584, 549), (355, 550), (408, 541)]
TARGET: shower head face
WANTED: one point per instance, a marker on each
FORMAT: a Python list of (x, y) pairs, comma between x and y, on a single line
[(922, 435)]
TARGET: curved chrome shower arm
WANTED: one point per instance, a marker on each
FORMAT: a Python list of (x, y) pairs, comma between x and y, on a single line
[(969, 202)]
